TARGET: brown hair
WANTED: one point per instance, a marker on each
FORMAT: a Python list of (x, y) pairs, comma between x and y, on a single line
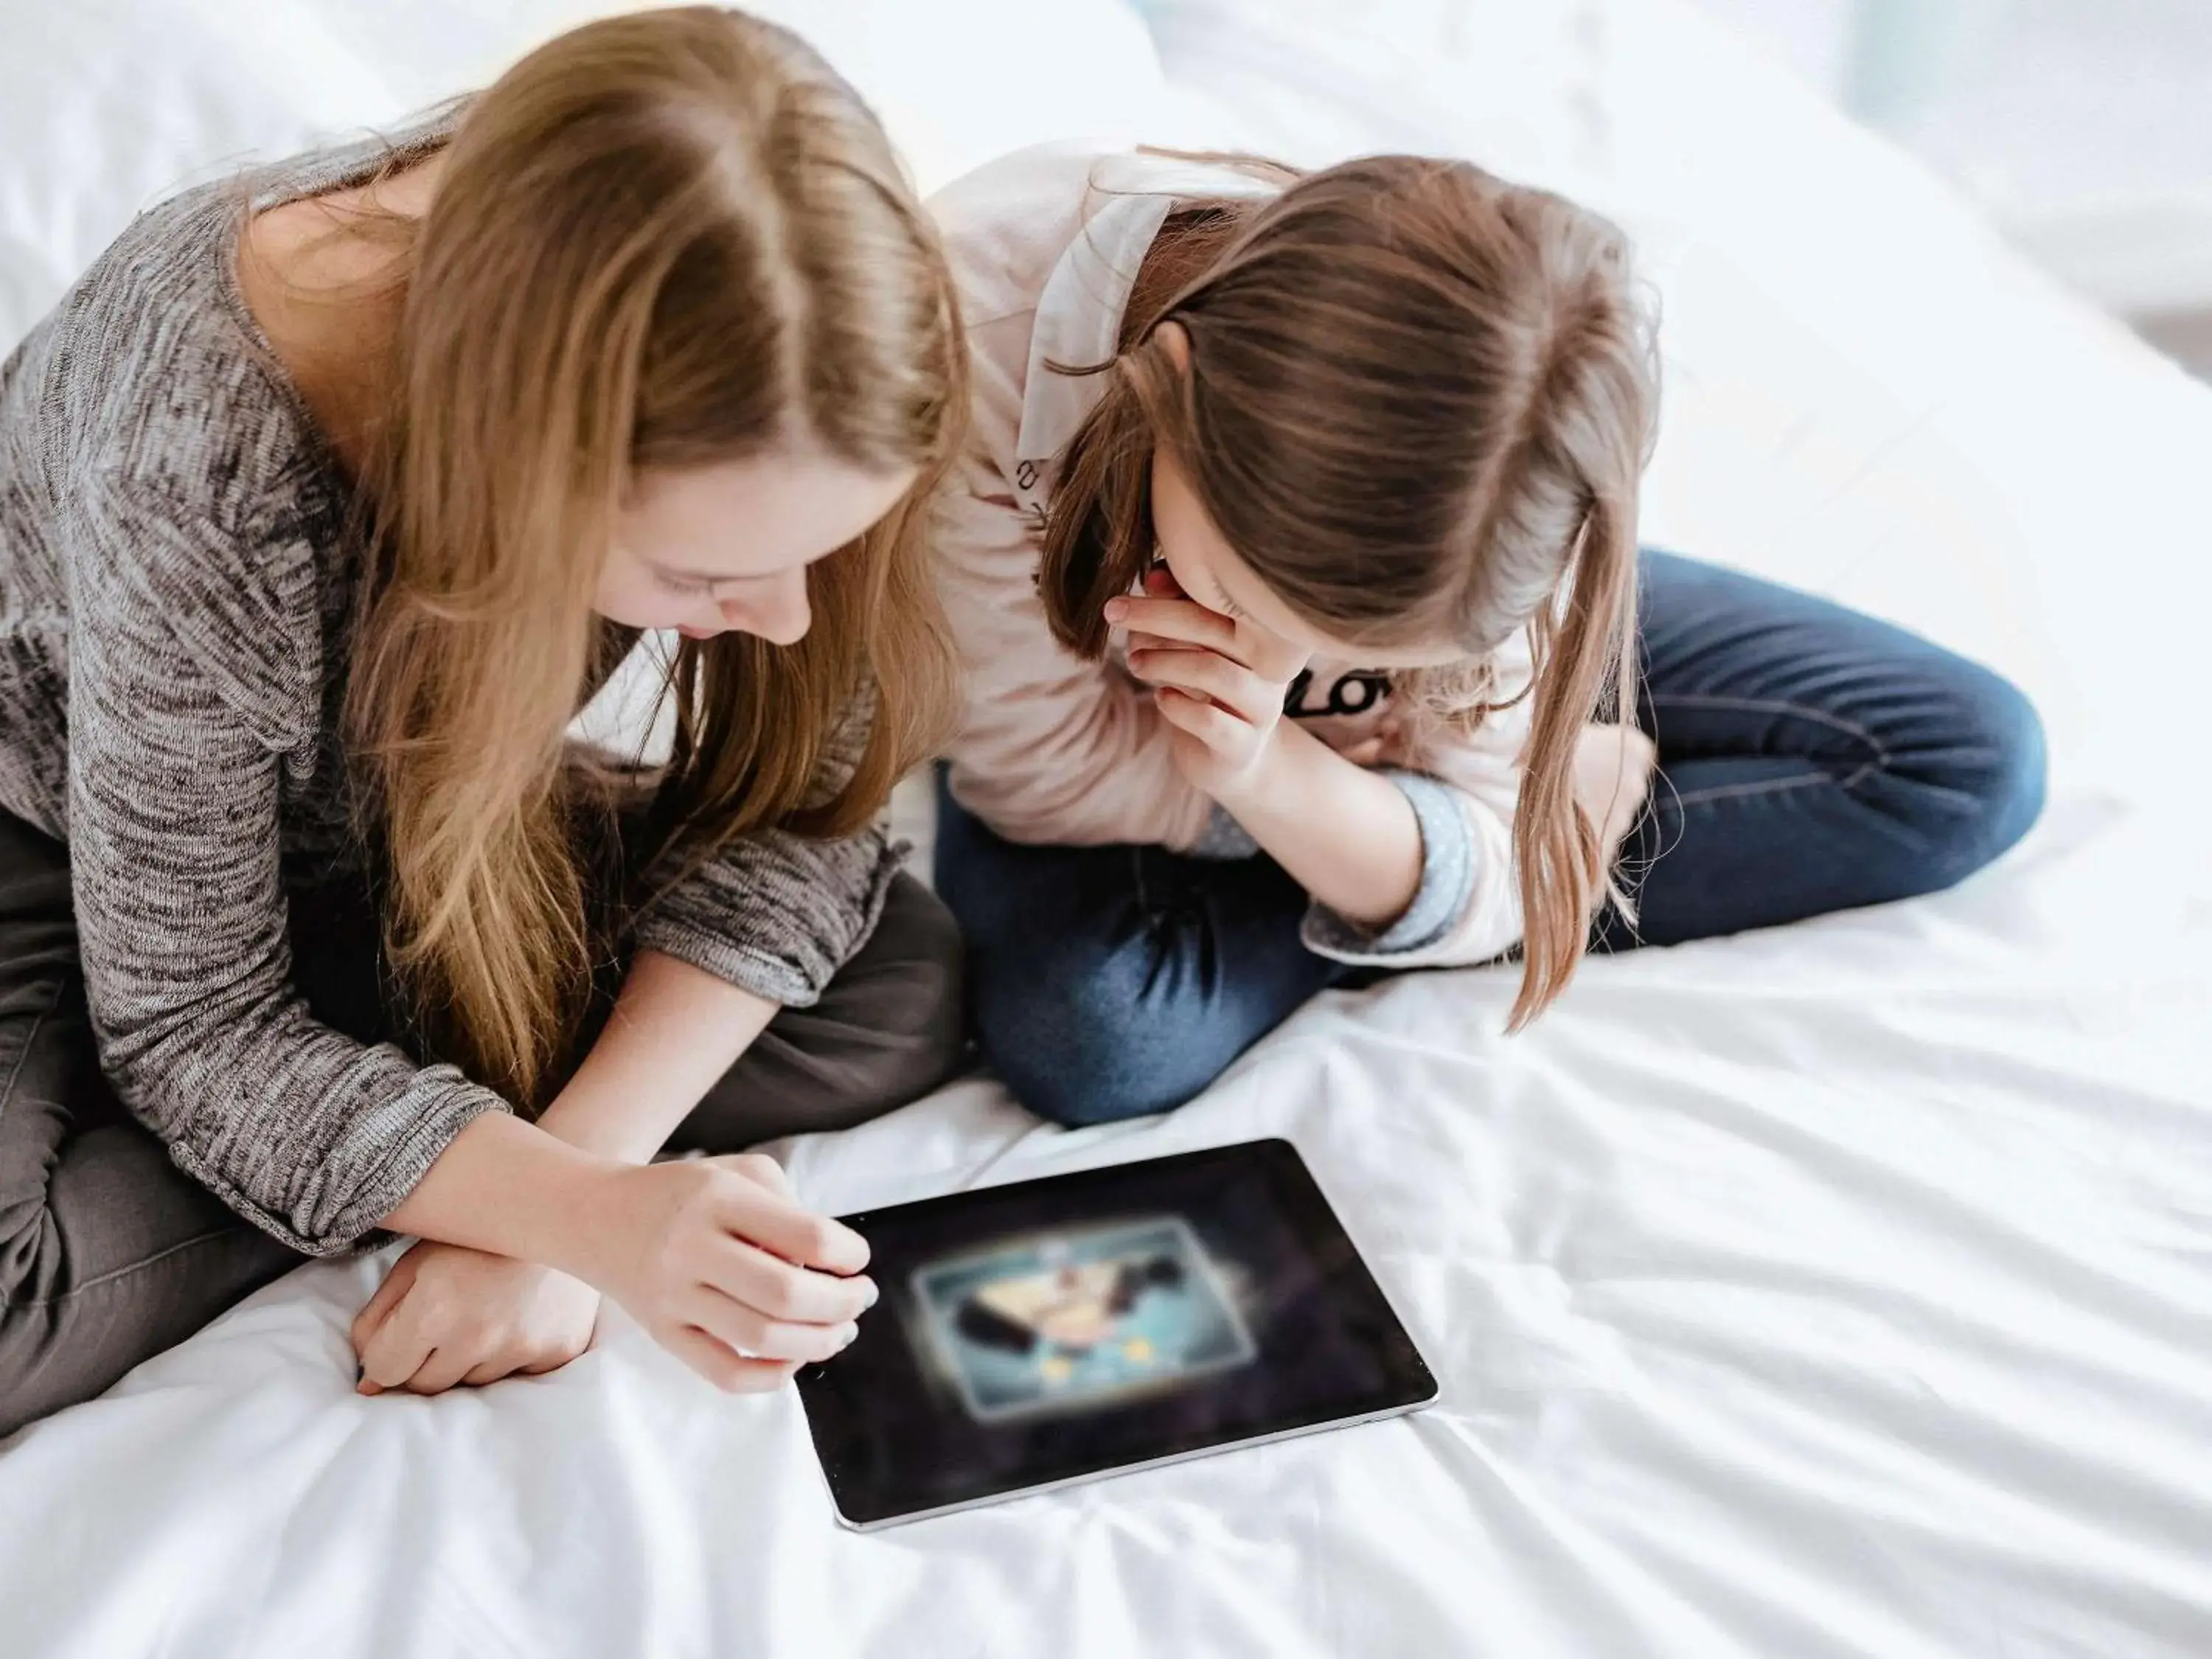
[(1419, 403), (660, 240)]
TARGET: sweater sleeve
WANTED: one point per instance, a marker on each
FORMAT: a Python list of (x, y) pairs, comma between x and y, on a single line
[(184, 693), (776, 914), (1054, 749)]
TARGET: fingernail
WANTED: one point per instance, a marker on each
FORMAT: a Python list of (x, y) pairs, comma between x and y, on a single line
[(845, 1337), (874, 1295), (1117, 609)]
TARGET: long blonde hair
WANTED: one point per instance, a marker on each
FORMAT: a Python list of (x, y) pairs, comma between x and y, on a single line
[(1419, 403), (660, 240)]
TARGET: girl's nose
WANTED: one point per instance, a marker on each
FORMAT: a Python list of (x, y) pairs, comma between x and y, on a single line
[(777, 613)]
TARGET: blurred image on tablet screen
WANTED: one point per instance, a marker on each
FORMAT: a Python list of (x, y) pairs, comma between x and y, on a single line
[(1064, 1321)]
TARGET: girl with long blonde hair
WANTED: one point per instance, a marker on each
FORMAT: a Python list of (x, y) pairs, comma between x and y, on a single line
[(1294, 567), (327, 502)]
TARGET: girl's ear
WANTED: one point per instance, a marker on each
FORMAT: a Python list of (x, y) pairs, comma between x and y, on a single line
[(1174, 339)]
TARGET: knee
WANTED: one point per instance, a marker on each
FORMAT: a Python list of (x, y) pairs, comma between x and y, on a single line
[(1075, 1059), (916, 978), (1981, 780), (1077, 1043), (2005, 775)]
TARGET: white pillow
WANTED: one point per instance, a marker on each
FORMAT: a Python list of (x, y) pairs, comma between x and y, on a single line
[(1311, 81), (106, 106), (959, 83)]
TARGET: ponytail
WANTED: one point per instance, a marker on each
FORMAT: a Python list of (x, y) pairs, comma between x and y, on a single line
[(1585, 669)]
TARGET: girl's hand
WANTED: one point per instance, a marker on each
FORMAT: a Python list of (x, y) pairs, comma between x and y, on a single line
[(1219, 681), (445, 1314), (718, 1261)]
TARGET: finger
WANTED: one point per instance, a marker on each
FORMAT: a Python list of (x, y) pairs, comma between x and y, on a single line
[(1161, 642), (782, 1291), (1217, 728), (1208, 674), (494, 1370), (1177, 619), (441, 1370), (551, 1362), (759, 1168), (750, 1330), (778, 1224), (520, 1361), (378, 1307), (732, 1373), (561, 1354), (395, 1353)]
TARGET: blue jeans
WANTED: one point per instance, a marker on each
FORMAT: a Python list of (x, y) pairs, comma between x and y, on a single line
[(1813, 759)]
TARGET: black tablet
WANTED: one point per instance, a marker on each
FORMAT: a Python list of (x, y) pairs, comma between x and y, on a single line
[(1047, 1332)]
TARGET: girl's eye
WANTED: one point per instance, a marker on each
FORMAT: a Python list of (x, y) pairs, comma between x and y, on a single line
[(690, 587)]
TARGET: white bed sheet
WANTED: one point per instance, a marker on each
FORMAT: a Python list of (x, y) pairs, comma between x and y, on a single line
[(1845, 1290)]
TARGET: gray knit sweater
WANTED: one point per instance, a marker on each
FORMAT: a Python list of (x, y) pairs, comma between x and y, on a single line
[(174, 597)]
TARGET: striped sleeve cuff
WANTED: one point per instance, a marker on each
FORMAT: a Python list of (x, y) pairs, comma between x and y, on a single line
[(1223, 838)]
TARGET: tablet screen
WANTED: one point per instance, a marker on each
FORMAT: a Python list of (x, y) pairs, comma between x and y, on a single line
[(1051, 1330)]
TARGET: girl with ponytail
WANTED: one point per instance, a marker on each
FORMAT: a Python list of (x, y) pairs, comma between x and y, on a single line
[(1294, 566)]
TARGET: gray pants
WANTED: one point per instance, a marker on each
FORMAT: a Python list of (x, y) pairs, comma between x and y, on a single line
[(109, 1254)]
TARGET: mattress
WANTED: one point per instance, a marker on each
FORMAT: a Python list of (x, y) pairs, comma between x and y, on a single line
[(1840, 1290)]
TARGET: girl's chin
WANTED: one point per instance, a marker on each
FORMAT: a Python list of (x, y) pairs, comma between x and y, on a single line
[(700, 633)]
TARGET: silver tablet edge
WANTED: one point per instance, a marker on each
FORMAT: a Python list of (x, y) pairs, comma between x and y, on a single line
[(1013, 1493)]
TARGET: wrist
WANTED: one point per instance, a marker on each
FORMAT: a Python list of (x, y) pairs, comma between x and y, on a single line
[(596, 1223), (572, 1201), (1266, 786), (1252, 792), (505, 1187), (577, 1118)]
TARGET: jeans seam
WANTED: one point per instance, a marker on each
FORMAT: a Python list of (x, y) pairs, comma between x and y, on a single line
[(23, 1054), (115, 1274), (1778, 706), (1768, 786)]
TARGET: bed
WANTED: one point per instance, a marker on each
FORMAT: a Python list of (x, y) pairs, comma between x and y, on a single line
[(1843, 1290)]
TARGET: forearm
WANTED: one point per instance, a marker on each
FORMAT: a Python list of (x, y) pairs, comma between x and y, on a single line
[(530, 1190), (674, 1031), (508, 1186), (1346, 834)]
